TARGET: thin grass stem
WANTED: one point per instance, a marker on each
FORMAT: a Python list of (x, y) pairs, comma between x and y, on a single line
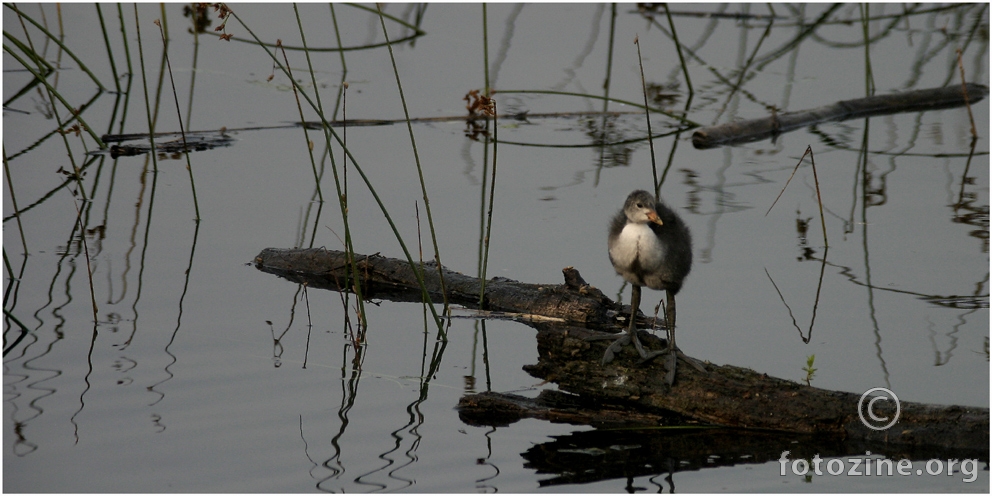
[(816, 180), (489, 215), (144, 85), (194, 19), (964, 92), (124, 41), (182, 129), (340, 185), (485, 47), (368, 183), (344, 63), (110, 52), (420, 172), (869, 77), (86, 253), (678, 49), (164, 21), (362, 318), (58, 41), (13, 199), (647, 116), (306, 134), (54, 93), (417, 31), (337, 37), (819, 199), (607, 83)]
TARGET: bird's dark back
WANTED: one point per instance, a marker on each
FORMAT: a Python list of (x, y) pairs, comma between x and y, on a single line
[(678, 241)]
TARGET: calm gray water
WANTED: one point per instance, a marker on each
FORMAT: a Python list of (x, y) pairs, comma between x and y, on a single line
[(203, 374)]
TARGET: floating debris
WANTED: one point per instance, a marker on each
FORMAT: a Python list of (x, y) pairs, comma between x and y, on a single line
[(196, 141)]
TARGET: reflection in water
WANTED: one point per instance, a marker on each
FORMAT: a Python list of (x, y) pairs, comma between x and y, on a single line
[(509, 28), (406, 436), (479, 326), (486, 483), (348, 396), (69, 382), (585, 457)]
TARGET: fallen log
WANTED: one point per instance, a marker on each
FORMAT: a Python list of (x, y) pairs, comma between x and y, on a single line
[(717, 395), (389, 278), (911, 101), (727, 396)]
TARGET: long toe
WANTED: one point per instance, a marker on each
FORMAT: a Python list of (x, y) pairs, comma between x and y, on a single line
[(638, 345), (670, 369), (615, 347), (651, 355), (691, 361)]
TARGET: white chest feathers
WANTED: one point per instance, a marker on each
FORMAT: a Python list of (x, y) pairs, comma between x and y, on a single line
[(637, 248)]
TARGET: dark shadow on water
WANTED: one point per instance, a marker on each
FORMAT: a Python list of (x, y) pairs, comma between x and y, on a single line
[(591, 456)]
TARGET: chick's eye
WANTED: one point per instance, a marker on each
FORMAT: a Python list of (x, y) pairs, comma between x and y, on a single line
[(640, 205)]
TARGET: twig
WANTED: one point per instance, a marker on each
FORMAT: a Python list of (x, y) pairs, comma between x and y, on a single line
[(647, 115), (182, 130), (819, 199), (420, 173), (964, 92)]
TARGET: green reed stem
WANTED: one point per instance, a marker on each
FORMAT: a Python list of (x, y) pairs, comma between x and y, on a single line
[(182, 129), (678, 49), (337, 37), (869, 77), (416, 30), (609, 56), (58, 41), (63, 131), (110, 52), (13, 199), (194, 19), (344, 68), (306, 133), (51, 89), (819, 201), (351, 272), (420, 170), (330, 133), (124, 41), (485, 46), (164, 21), (144, 85), (362, 317), (647, 116), (489, 215)]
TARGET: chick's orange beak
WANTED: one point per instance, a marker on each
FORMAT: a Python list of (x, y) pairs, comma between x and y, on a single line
[(653, 217)]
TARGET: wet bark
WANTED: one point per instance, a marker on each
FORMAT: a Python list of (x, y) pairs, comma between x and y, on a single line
[(729, 396), (575, 301), (910, 101), (626, 392)]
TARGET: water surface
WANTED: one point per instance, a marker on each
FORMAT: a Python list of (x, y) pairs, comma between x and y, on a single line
[(203, 374)]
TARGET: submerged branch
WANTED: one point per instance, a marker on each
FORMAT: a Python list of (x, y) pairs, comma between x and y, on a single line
[(911, 101), (625, 392)]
